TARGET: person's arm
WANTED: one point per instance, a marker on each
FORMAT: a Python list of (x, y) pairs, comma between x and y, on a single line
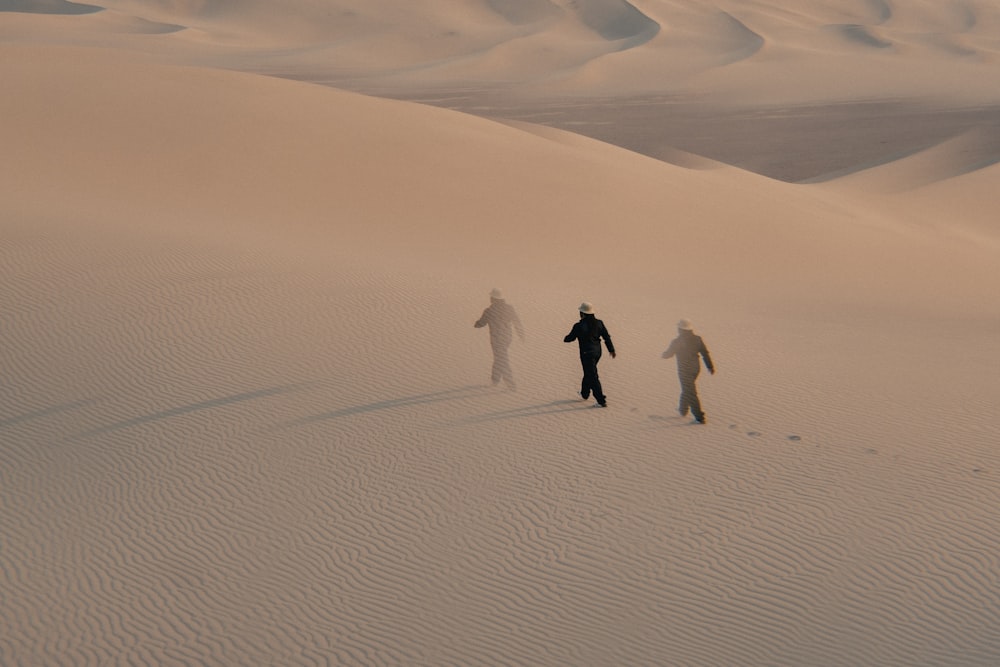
[(671, 350), (482, 321), (708, 359), (574, 332), (607, 341)]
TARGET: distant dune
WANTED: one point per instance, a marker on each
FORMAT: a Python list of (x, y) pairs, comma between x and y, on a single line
[(766, 52)]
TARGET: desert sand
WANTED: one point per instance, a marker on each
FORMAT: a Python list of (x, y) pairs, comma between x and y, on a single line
[(245, 418)]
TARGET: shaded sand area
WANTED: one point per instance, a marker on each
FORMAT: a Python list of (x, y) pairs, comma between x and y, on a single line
[(790, 143), (245, 418)]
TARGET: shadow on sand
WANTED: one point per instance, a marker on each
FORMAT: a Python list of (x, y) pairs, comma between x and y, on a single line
[(196, 407), (569, 405), (468, 391), (63, 7), (43, 413)]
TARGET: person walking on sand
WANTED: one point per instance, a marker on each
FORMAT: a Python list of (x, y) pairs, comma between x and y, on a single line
[(687, 348), (502, 320), (588, 332)]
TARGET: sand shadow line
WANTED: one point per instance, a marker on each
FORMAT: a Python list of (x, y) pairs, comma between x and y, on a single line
[(44, 412), (554, 407), (58, 7), (197, 407), (389, 404)]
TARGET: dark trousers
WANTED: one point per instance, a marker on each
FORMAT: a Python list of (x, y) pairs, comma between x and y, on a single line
[(689, 396), (591, 381), (501, 365)]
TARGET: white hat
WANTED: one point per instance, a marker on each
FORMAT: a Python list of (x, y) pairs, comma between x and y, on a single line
[(685, 325), (496, 293), (587, 308)]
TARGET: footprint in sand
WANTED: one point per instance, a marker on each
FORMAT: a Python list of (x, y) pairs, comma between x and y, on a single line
[(757, 434)]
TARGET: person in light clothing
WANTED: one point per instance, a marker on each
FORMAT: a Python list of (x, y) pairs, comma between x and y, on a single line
[(689, 350), (502, 320)]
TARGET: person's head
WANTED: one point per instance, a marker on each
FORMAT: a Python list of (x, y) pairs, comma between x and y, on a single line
[(586, 308), (685, 325), (496, 294)]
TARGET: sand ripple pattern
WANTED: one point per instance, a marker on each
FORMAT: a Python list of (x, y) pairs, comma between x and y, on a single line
[(206, 460)]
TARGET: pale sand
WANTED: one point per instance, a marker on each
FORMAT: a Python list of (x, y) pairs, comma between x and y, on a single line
[(245, 418)]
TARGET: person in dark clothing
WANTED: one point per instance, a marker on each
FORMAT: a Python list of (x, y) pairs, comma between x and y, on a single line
[(588, 332), (502, 320), (687, 348)]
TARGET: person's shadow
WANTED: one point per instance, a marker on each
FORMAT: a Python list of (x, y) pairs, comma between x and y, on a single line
[(467, 391), (541, 409), (201, 406)]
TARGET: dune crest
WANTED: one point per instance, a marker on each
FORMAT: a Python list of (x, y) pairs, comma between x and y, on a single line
[(945, 187), (823, 51), (616, 20), (971, 151)]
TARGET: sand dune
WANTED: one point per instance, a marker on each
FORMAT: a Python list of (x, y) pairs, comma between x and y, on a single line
[(245, 417), (946, 186), (970, 152), (765, 52), (366, 179)]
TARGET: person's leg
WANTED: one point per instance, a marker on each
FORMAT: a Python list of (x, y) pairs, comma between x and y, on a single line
[(591, 380), (683, 404), (501, 366), (689, 396)]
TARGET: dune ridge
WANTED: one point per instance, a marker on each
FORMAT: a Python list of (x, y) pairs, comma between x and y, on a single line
[(763, 53)]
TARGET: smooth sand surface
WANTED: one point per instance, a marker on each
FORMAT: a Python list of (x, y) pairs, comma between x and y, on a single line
[(245, 418)]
